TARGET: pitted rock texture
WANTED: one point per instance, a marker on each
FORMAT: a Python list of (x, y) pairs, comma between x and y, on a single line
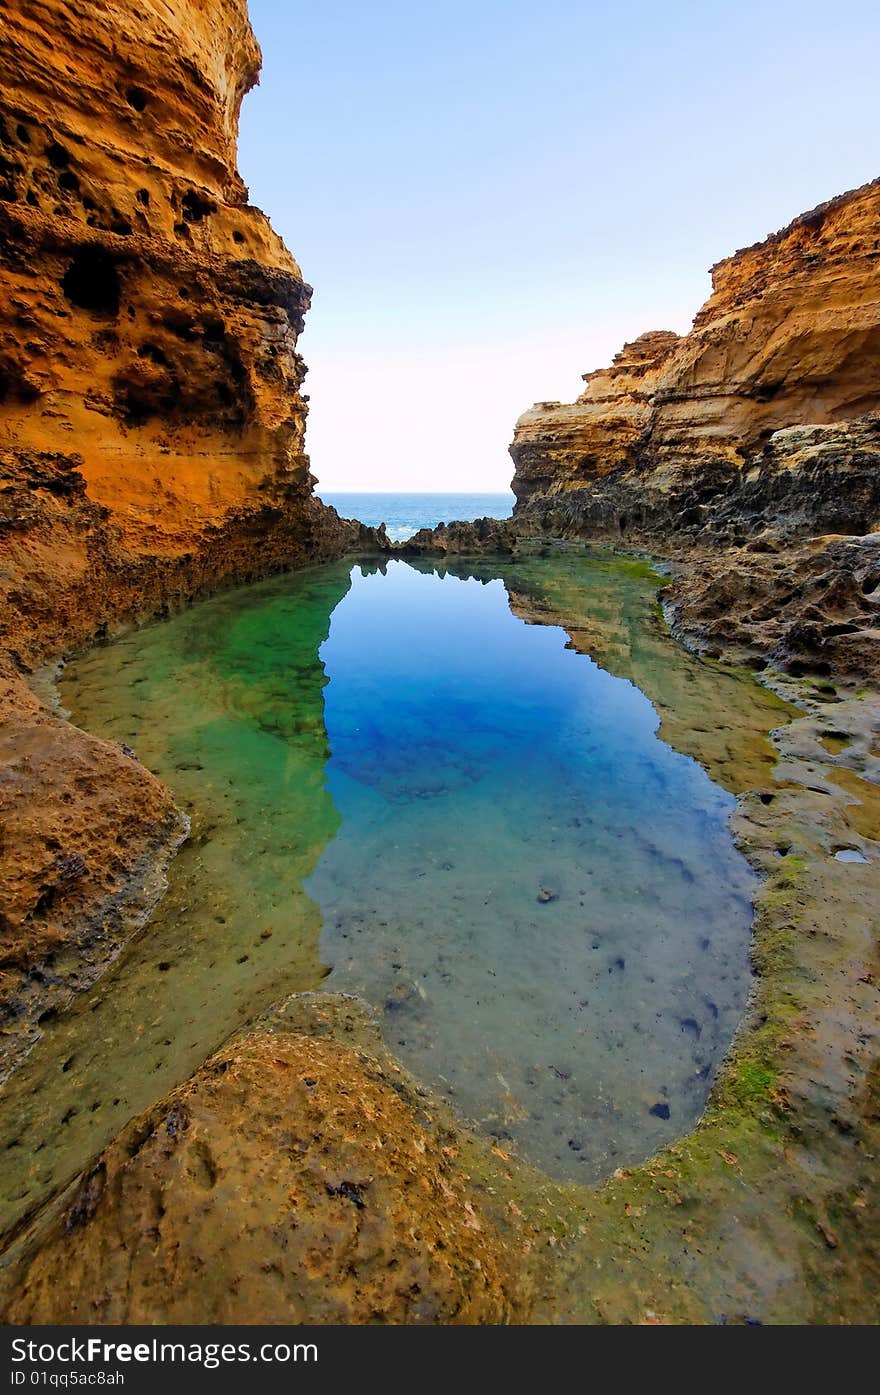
[(151, 425), (811, 608), (150, 404), (291, 1180), (483, 535), (694, 435), (85, 836)]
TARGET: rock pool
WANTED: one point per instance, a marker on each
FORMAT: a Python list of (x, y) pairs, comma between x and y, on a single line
[(407, 783)]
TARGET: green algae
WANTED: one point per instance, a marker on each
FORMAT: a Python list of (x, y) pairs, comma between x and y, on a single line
[(226, 703), (244, 749), (630, 1251), (761, 1213)]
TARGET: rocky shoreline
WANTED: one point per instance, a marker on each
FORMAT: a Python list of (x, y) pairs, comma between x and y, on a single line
[(150, 384), (153, 429), (808, 606), (766, 1212)]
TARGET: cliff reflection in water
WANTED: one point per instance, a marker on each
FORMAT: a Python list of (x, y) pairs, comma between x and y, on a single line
[(538, 894), (225, 702)]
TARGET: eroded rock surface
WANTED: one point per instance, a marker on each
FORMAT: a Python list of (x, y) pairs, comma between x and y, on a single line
[(694, 435), (151, 423), (748, 451), (150, 403), (291, 1180), (87, 833), (152, 414)]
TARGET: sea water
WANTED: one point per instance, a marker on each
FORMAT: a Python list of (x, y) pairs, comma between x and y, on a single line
[(405, 514)]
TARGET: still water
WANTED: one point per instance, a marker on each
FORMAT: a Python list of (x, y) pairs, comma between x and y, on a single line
[(408, 784)]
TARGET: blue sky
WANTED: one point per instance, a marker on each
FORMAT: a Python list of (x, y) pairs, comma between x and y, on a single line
[(489, 198)]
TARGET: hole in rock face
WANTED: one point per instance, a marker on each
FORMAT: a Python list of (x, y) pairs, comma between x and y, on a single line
[(92, 282), (153, 353), (766, 392), (180, 323), (137, 97), (14, 386), (57, 156), (195, 207), (835, 741)]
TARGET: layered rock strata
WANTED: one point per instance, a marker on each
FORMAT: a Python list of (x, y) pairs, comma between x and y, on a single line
[(749, 447), (764, 414)]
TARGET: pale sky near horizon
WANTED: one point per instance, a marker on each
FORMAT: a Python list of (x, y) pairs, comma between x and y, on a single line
[(489, 197)]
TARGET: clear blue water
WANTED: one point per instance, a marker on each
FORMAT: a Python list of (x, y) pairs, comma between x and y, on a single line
[(407, 784), (405, 514), (542, 897)]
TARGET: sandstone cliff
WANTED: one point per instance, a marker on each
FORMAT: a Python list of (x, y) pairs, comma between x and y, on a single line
[(151, 419), (693, 434), (151, 424)]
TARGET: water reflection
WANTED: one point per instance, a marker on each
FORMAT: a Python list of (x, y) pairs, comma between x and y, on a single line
[(539, 895)]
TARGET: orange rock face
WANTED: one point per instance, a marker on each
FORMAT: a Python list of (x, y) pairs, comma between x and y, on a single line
[(601, 429), (86, 833), (151, 428), (151, 419), (789, 338)]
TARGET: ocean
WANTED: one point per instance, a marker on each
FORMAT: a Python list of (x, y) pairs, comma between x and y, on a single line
[(405, 514)]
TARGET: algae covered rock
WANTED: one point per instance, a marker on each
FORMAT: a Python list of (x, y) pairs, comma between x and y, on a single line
[(291, 1180)]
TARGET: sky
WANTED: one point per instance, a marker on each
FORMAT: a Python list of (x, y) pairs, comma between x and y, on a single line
[(490, 198)]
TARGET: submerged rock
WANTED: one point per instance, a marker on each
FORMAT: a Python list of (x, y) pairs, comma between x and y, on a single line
[(85, 836), (289, 1181)]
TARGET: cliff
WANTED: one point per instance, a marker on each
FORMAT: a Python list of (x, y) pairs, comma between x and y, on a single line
[(151, 418), (151, 427), (694, 434)]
